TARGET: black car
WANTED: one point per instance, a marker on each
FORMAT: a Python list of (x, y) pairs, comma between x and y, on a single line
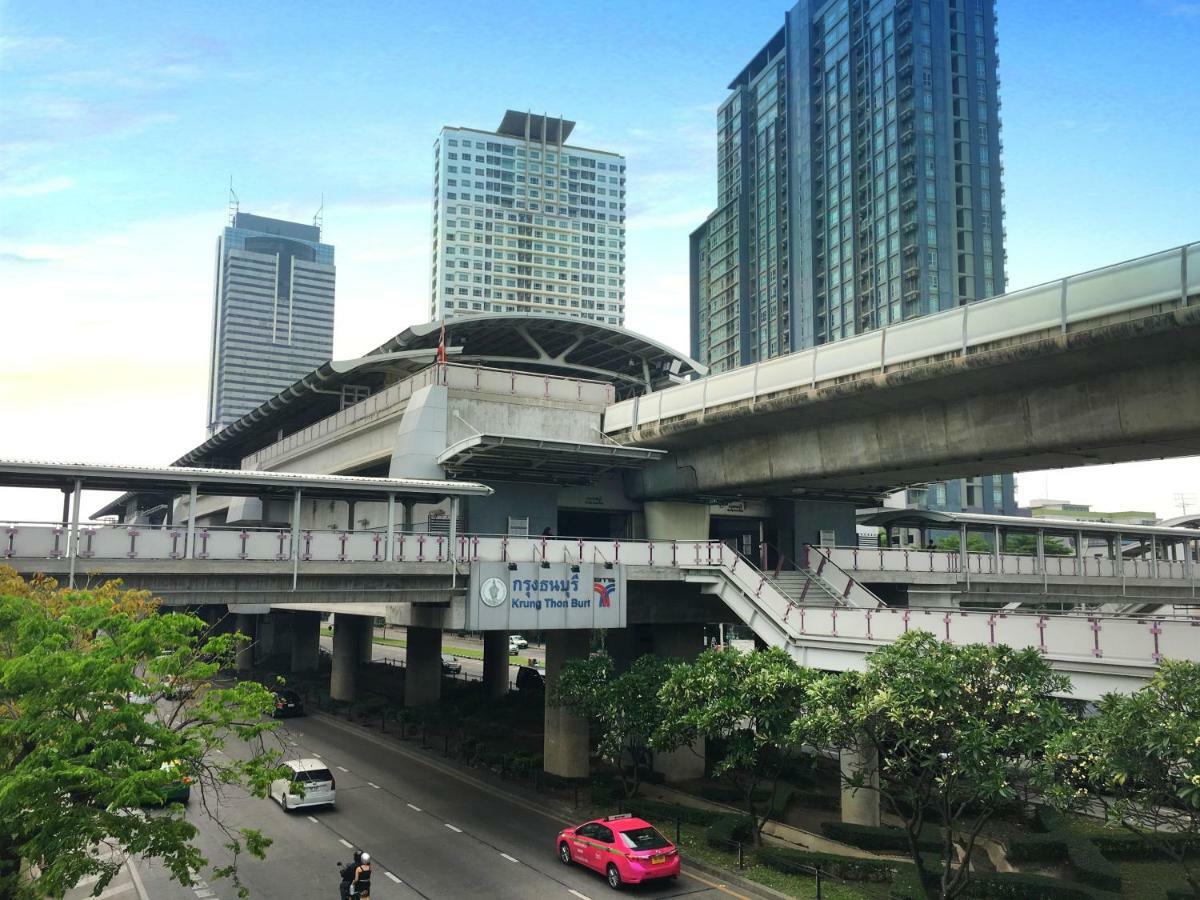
[(288, 703)]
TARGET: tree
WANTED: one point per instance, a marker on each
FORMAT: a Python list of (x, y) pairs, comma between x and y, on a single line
[(625, 708), (747, 702), (1026, 545), (953, 728), (976, 543), (106, 706), (1139, 761)]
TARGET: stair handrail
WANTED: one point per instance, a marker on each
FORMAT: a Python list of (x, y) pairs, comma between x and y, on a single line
[(827, 562)]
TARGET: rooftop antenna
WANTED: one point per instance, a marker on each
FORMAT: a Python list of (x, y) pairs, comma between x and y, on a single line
[(233, 201), (319, 218)]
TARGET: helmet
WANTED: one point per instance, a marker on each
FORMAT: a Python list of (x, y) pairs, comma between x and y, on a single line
[(365, 858)]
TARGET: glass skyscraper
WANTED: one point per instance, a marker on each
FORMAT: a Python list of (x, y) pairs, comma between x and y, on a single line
[(858, 179), (272, 313), (858, 184), (524, 222)]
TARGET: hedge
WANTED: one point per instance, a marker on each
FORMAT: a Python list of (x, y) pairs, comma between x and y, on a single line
[(1057, 843), (719, 793), (881, 838), (846, 868), (1004, 886), (654, 810), (1135, 847), (729, 829)]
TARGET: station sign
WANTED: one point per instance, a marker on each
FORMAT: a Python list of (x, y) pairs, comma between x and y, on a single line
[(530, 597)]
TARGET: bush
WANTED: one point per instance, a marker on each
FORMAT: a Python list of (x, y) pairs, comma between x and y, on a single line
[(655, 811), (728, 830), (1004, 886), (1057, 843), (1038, 848), (720, 793), (1135, 847), (1090, 866), (881, 839), (846, 868), (814, 800)]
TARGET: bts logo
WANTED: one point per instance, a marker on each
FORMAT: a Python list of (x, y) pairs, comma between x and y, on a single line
[(605, 589)]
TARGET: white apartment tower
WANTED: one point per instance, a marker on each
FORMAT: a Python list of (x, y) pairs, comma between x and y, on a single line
[(524, 222), (272, 313)]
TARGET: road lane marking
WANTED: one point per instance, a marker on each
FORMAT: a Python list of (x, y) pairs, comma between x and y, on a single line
[(345, 843), (312, 819), (510, 858), (579, 895), (484, 787), (393, 877), (453, 828), (342, 769), (137, 880), (374, 785)]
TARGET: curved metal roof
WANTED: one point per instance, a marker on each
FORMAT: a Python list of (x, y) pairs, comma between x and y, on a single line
[(555, 345), (545, 344), (952, 520)]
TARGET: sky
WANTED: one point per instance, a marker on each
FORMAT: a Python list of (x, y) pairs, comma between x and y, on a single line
[(122, 124)]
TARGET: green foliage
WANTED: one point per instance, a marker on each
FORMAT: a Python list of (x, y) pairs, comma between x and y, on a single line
[(729, 829), (745, 701), (1139, 761), (624, 707), (976, 543), (104, 705), (881, 838), (1026, 545), (846, 868), (953, 728), (664, 814)]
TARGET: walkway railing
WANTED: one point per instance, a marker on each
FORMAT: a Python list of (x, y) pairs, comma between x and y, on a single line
[(900, 559), (1167, 278), (842, 634)]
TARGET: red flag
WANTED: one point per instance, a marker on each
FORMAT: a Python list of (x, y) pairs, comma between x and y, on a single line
[(441, 350)]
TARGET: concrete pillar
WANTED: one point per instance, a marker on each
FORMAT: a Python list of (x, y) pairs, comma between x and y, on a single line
[(860, 806), (566, 743), (495, 663), (680, 642), (343, 680), (673, 520), (244, 661), (306, 641), (366, 636), (423, 666)]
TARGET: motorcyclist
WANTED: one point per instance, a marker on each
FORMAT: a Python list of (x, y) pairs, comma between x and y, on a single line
[(347, 874), (360, 886)]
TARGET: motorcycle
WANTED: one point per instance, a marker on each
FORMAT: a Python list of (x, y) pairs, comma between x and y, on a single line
[(346, 890)]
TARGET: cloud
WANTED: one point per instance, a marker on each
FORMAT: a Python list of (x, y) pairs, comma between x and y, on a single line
[(36, 188)]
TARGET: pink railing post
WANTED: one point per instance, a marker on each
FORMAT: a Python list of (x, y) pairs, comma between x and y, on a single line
[(243, 537), (133, 536)]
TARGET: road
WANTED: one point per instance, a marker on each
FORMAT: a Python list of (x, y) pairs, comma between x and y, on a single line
[(472, 668), (434, 833)]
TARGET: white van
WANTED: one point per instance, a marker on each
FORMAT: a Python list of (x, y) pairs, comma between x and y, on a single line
[(316, 778)]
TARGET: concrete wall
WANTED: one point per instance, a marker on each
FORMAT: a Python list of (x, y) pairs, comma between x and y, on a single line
[(489, 515)]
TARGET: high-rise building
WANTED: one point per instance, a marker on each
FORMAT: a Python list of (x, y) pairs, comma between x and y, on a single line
[(524, 222), (272, 313), (858, 179)]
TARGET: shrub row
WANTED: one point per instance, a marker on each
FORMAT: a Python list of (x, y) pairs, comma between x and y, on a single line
[(1135, 847), (1003, 886), (1056, 843), (662, 813), (881, 838), (847, 868), (729, 829)]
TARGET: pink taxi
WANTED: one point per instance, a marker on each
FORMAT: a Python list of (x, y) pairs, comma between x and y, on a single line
[(623, 848)]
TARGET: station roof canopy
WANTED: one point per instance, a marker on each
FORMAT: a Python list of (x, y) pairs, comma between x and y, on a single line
[(544, 344), (171, 481), (953, 521), (506, 457)]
